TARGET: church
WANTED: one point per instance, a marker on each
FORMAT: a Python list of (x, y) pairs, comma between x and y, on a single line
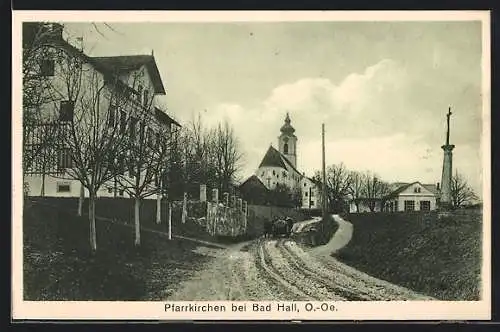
[(279, 166)]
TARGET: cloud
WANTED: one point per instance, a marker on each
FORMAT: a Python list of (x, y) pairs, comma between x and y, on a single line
[(369, 125)]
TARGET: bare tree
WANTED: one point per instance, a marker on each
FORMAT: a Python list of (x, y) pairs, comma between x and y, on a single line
[(374, 189), (92, 141), (147, 157), (338, 182), (227, 155), (461, 192), (356, 187)]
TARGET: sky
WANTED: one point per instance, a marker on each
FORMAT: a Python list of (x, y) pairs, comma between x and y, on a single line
[(382, 89)]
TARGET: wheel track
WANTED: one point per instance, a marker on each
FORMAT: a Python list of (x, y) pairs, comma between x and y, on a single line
[(345, 293), (282, 267), (388, 291), (247, 274), (287, 288), (361, 290)]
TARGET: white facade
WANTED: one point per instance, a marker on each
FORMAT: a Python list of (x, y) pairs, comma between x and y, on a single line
[(415, 197), (55, 182), (311, 194)]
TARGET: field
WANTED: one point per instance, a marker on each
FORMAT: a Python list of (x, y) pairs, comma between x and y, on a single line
[(440, 258), (58, 264)]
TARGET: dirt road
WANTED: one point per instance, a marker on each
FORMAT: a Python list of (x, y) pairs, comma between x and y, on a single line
[(279, 269)]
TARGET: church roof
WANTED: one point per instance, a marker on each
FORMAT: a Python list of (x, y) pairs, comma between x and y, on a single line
[(272, 158)]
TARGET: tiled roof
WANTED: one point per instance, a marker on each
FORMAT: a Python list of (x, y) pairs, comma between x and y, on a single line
[(402, 186), (126, 63), (272, 158), (164, 117), (432, 188), (255, 179)]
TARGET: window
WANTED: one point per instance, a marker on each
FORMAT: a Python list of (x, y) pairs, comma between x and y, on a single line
[(110, 190), (425, 205), (123, 121), (121, 192), (47, 67), (312, 193), (63, 188), (416, 189), (396, 206), (133, 124), (305, 184), (112, 116), (142, 128), (409, 205), (285, 148), (284, 174), (139, 90), (306, 194), (262, 173), (274, 173), (146, 97), (66, 110), (312, 203), (64, 159)]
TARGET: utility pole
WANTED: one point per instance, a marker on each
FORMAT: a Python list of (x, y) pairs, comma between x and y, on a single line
[(324, 205)]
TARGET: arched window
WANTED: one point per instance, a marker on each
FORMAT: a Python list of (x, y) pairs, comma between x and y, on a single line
[(285, 148)]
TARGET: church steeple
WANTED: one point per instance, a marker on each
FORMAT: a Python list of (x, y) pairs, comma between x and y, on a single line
[(287, 141), (287, 128)]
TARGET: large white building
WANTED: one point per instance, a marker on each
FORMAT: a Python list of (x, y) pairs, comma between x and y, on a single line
[(280, 167), (136, 76)]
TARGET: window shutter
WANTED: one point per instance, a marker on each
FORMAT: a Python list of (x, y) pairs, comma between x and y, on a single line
[(66, 110)]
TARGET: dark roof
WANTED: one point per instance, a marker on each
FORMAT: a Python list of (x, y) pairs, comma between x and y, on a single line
[(100, 66), (126, 63), (289, 163), (287, 128), (431, 187), (254, 179), (164, 117), (272, 158)]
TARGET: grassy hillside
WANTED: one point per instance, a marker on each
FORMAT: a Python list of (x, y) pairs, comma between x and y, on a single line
[(58, 264), (440, 258)]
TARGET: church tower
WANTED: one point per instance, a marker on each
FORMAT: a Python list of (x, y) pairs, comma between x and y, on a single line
[(287, 142)]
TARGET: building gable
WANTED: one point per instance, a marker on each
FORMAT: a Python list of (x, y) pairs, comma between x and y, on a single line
[(415, 189), (272, 158)]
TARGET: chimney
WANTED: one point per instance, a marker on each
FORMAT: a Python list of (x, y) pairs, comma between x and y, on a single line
[(437, 186)]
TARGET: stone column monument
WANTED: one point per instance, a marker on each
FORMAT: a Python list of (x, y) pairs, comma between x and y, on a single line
[(445, 203)]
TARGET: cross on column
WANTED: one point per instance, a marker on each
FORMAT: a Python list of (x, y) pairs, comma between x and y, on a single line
[(448, 126)]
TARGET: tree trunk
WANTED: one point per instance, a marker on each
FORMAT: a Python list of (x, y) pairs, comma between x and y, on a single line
[(137, 206), (42, 192), (184, 208), (92, 233), (170, 221), (357, 207), (80, 200), (158, 208)]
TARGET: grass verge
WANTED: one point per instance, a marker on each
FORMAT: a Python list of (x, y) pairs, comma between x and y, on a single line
[(58, 264), (437, 257)]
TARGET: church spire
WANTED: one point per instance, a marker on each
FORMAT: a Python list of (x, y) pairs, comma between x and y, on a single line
[(287, 128)]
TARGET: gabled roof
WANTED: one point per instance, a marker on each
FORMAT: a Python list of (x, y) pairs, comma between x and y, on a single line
[(165, 118), (127, 63), (272, 158), (405, 186), (255, 180), (432, 188)]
